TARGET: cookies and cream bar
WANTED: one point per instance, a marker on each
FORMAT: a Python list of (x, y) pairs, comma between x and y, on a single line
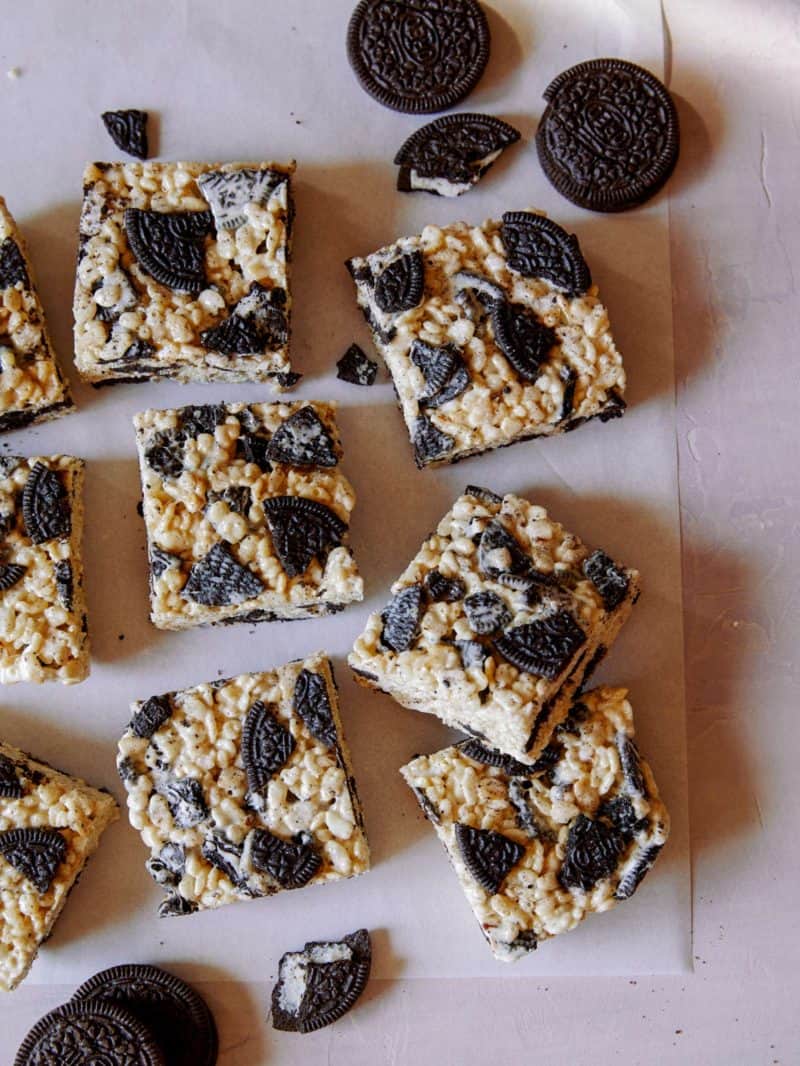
[(536, 851), (32, 388), (496, 623), (50, 825), (43, 628), (492, 334), (183, 272), (247, 513), (242, 788)]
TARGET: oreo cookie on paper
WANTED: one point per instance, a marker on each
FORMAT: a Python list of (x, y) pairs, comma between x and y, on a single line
[(609, 137), (451, 154), (418, 56), (88, 1032)]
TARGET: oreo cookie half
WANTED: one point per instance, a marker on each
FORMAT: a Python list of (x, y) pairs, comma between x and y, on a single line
[(418, 56), (451, 154), (85, 1031), (609, 137), (178, 1018)]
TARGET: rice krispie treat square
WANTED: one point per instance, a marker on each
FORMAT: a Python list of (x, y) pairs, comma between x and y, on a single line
[(242, 788), (50, 826), (32, 387), (496, 624), (536, 851), (44, 633), (183, 272), (246, 512), (492, 334)]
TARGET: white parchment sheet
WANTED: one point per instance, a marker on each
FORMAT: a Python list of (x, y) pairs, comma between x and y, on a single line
[(261, 79)]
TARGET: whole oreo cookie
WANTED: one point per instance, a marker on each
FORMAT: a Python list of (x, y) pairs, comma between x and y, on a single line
[(609, 138), (418, 56), (89, 1032), (178, 1018)]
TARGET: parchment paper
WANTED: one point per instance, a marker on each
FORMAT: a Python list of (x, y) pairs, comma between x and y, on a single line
[(261, 79)]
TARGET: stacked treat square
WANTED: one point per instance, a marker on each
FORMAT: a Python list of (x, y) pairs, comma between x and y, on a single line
[(241, 788)]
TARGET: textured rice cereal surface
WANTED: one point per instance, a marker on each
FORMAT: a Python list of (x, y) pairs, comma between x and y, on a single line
[(183, 272), (537, 852), (50, 825), (483, 355), (497, 622), (247, 513), (32, 388), (242, 788), (43, 626)]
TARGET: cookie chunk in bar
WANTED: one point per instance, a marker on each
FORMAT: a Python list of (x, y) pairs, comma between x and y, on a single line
[(50, 826), (183, 272), (496, 624), (537, 850), (492, 334), (32, 387), (247, 513), (243, 788), (43, 629)]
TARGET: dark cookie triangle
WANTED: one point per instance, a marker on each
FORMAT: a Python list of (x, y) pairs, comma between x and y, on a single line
[(312, 704), (291, 864), (219, 580), (499, 553), (151, 715), (539, 248), (356, 368), (169, 246), (302, 440), (446, 375), (233, 336), (544, 647), (36, 853), (401, 618), (10, 785), (401, 284), (12, 265), (256, 323), (128, 130), (266, 745), (453, 148), (522, 338), (302, 530), (489, 856), (430, 443), (45, 506), (609, 580), (593, 851)]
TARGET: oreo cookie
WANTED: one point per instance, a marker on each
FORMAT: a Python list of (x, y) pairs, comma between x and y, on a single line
[(609, 136), (356, 368), (128, 130), (169, 246), (451, 154), (418, 56), (178, 1018), (45, 506), (85, 1031)]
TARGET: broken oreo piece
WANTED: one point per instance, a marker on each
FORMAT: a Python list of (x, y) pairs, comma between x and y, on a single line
[(220, 580), (150, 716), (636, 870), (186, 802), (544, 647), (169, 246), (10, 575), (401, 618), (419, 56), (314, 708), (62, 572), (302, 530), (443, 589), (256, 323), (45, 506), (609, 137), (446, 375), (230, 192), (430, 443), (610, 581), (12, 265), (478, 752), (488, 855), (537, 247), (593, 850), (452, 153), (292, 865), (10, 785), (128, 130), (302, 440), (400, 285), (35, 853), (321, 983), (522, 338), (499, 553), (87, 1032), (486, 612), (178, 1018), (356, 368), (266, 746), (472, 653)]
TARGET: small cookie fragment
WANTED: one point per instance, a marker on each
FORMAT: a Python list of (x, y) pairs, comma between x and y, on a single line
[(492, 334), (495, 625), (184, 273), (247, 513), (418, 56), (128, 130), (321, 983), (356, 367), (609, 137), (51, 826), (537, 849), (262, 755), (171, 1010), (451, 154), (91, 1032), (43, 626), (32, 387)]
